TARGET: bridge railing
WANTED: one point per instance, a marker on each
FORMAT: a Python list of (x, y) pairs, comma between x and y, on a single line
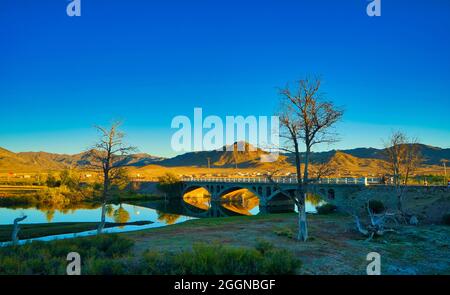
[(287, 180)]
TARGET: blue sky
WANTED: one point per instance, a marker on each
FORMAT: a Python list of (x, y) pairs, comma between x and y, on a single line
[(147, 61)]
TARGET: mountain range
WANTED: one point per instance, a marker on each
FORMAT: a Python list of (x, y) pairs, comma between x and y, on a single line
[(245, 157)]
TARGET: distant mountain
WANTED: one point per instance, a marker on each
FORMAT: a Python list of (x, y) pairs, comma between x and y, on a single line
[(240, 154), (42, 161), (140, 160), (432, 155), (348, 164)]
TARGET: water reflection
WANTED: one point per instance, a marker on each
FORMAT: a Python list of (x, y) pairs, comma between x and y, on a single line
[(49, 215), (167, 218), (109, 210), (116, 213), (121, 215), (89, 213), (195, 204), (240, 202), (199, 198)]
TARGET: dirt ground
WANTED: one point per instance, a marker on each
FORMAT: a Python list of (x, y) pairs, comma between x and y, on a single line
[(334, 246)]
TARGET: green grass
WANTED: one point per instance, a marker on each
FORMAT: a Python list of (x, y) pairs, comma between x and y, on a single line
[(234, 219), (49, 258), (217, 259), (112, 255), (255, 244)]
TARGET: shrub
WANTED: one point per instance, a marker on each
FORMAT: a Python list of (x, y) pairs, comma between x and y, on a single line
[(263, 246), (280, 262), (446, 219), (284, 232), (96, 266), (100, 256), (326, 209), (169, 184), (376, 206), (52, 181), (219, 260), (109, 255)]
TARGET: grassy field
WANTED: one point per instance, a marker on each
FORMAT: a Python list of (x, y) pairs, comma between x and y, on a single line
[(334, 246)]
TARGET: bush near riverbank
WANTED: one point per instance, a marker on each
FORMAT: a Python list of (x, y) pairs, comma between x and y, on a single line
[(56, 197), (63, 197)]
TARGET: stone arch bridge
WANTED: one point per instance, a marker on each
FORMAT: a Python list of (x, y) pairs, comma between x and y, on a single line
[(270, 192)]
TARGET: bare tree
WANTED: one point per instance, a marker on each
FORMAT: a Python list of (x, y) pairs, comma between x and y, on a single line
[(403, 157), (305, 119), (107, 153), (324, 169)]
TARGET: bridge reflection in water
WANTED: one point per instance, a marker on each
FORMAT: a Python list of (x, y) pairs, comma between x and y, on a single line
[(198, 203), (241, 202)]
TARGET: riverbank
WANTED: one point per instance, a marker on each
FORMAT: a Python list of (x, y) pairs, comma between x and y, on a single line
[(334, 246), (51, 198), (30, 231)]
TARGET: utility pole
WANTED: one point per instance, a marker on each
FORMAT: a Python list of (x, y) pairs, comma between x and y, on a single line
[(235, 150), (209, 162)]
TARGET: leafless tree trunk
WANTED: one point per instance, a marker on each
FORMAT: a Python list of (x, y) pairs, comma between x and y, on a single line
[(106, 153), (16, 229), (404, 157), (305, 118)]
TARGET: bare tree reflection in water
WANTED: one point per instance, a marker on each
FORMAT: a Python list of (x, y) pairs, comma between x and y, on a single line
[(49, 215), (121, 215), (167, 218), (314, 199)]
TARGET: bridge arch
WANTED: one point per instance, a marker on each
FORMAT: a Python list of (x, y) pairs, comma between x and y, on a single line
[(230, 189), (280, 193), (281, 201), (190, 188)]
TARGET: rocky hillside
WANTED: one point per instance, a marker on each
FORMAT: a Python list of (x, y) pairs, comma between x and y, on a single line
[(42, 161), (240, 154)]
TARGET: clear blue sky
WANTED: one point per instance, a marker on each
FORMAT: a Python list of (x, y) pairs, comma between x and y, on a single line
[(147, 61)]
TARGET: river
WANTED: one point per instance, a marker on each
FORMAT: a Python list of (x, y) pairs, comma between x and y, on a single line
[(160, 214)]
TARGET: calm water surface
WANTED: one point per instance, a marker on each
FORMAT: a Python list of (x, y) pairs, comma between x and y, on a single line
[(194, 205)]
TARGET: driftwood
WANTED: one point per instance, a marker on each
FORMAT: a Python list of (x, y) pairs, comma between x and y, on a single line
[(16, 229), (377, 223)]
